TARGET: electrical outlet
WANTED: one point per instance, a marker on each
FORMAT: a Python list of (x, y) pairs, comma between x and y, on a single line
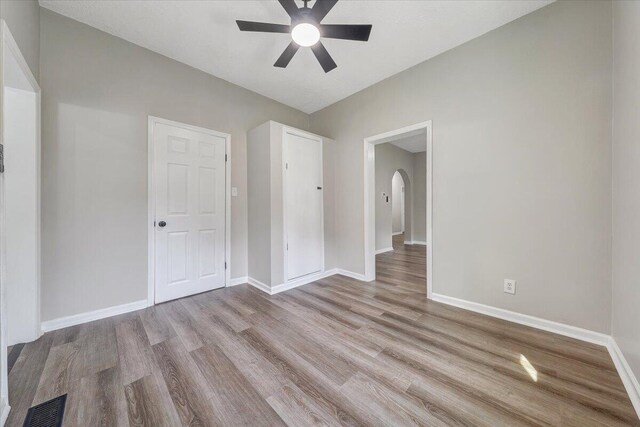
[(510, 286)]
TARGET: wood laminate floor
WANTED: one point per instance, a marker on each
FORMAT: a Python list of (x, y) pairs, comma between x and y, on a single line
[(335, 352)]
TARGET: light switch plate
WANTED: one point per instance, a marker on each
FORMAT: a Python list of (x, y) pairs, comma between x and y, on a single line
[(510, 286), (234, 191)]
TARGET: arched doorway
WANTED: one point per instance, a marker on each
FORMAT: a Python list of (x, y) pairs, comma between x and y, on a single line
[(401, 221)]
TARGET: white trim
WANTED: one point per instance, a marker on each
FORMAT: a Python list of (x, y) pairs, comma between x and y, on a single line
[(381, 251), (238, 281), (151, 289), (626, 374), (311, 136), (4, 411), (90, 316), (524, 319), (259, 285), (227, 213), (272, 290), (151, 211), (429, 236), (416, 242), (8, 43), (369, 197), (353, 275), (304, 280), (397, 233)]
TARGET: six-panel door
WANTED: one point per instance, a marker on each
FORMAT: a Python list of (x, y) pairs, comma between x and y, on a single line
[(190, 212)]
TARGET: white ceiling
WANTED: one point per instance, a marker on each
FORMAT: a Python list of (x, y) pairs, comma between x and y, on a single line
[(413, 142), (204, 35)]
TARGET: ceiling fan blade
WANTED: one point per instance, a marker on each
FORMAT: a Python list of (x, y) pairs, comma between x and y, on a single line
[(321, 8), (287, 55), (290, 7), (346, 31), (323, 57), (263, 27)]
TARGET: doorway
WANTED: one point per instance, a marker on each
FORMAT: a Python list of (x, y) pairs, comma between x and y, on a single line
[(19, 204), (421, 133), (188, 210), (397, 204), (402, 206)]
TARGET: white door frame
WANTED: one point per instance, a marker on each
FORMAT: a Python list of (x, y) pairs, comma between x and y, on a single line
[(151, 235), (8, 44), (369, 198), (303, 134)]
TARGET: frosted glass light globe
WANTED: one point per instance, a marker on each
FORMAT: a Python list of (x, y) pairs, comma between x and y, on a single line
[(305, 34)]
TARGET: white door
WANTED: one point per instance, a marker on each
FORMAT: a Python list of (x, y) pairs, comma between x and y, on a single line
[(303, 205), (190, 211)]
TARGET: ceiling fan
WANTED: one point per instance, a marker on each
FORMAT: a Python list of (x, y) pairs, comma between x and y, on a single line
[(306, 30)]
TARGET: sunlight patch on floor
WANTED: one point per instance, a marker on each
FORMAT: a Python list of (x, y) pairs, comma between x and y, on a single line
[(529, 368)]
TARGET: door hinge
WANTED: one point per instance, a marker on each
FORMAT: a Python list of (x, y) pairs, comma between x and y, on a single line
[(226, 158), (287, 246), (154, 223), (286, 165), (225, 265), (1, 158)]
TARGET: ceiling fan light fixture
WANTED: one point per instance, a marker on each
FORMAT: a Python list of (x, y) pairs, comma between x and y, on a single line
[(306, 30), (305, 34)]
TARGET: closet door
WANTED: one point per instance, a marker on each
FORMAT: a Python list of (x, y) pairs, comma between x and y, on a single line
[(303, 216)]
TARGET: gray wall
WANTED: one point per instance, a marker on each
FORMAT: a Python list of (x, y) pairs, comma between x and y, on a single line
[(98, 91), (626, 181), (522, 162), (259, 203), (23, 20), (420, 197), (389, 159)]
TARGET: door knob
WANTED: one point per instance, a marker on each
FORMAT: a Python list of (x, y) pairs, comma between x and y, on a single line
[(161, 224)]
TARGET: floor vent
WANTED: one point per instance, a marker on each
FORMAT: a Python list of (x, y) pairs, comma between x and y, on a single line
[(47, 414)]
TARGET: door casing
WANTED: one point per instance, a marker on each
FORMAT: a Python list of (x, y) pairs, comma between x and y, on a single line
[(8, 46), (369, 198), (151, 266)]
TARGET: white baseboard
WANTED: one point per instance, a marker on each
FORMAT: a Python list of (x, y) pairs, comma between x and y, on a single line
[(524, 319), (4, 411), (259, 285), (397, 233), (624, 370), (626, 374), (272, 290), (415, 242), (381, 251), (238, 281), (352, 274), (76, 319), (302, 281)]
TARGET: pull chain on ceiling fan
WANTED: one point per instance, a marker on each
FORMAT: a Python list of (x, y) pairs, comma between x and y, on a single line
[(306, 30)]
